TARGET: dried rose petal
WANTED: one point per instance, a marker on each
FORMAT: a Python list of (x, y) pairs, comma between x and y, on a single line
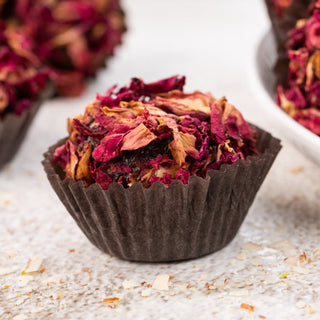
[(313, 34), (153, 133), (138, 138), (76, 38), (21, 76), (301, 97), (83, 172), (109, 147), (309, 118)]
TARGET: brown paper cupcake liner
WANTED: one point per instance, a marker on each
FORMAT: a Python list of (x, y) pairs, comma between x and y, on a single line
[(299, 9), (162, 223), (13, 128)]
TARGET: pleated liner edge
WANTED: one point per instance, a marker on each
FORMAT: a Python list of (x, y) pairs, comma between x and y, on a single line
[(14, 128), (161, 224)]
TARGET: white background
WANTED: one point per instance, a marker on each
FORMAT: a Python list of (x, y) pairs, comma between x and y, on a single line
[(211, 42)]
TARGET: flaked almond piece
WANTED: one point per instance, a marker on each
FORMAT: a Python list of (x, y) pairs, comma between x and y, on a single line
[(284, 245), (34, 265), (316, 253), (130, 284), (300, 270), (182, 285), (215, 285), (5, 271), (251, 246), (62, 304), (310, 309), (37, 310), (256, 262), (302, 259), (58, 278), (205, 277), (20, 317), (241, 256), (23, 281), (145, 293), (232, 262), (161, 282), (292, 261), (239, 293)]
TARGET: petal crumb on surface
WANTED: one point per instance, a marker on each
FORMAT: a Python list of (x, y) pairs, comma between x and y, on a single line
[(247, 307)]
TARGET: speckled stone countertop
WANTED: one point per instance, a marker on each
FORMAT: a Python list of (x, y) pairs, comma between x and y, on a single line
[(269, 271)]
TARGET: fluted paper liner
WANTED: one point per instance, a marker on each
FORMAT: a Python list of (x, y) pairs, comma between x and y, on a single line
[(14, 128), (166, 223), (299, 9)]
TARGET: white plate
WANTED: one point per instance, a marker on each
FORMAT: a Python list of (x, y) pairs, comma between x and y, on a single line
[(263, 83)]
